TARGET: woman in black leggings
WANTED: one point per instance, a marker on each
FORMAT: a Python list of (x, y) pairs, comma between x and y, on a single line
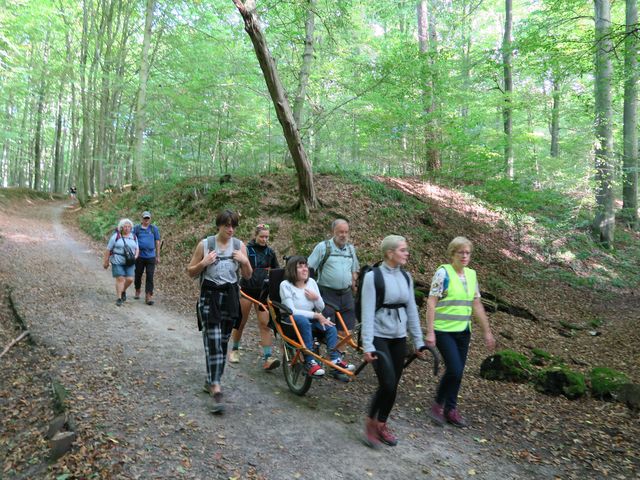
[(385, 321)]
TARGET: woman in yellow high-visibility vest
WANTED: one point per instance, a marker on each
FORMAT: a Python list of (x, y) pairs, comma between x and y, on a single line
[(454, 298)]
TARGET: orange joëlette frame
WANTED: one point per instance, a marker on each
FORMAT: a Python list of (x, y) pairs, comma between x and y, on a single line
[(299, 344)]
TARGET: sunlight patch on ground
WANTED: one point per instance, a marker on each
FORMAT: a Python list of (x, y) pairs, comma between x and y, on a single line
[(510, 254), (446, 197)]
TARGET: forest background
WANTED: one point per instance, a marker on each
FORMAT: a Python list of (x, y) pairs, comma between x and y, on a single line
[(501, 97)]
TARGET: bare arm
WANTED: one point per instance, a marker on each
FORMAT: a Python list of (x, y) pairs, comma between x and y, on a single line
[(242, 258), (432, 302), (199, 262), (105, 258), (481, 315)]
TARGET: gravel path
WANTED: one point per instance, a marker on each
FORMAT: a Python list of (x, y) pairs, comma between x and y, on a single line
[(135, 374)]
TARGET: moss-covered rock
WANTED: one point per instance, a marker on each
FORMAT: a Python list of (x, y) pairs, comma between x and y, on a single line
[(606, 382), (506, 365), (560, 380), (419, 296), (540, 357)]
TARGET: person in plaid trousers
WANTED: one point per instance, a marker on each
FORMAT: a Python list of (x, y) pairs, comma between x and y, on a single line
[(219, 260)]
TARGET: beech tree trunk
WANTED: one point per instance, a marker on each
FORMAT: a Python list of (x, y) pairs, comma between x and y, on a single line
[(630, 129), (507, 113), (428, 47), (142, 95), (306, 190), (604, 221), (555, 119)]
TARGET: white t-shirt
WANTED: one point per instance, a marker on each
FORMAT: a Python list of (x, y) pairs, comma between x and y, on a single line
[(294, 298)]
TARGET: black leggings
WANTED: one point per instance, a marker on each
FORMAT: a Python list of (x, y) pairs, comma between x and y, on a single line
[(388, 367)]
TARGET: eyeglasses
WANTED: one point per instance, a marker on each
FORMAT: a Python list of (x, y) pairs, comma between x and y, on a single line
[(262, 226), (463, 253)]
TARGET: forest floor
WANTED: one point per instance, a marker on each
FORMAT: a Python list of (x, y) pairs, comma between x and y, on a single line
[(134, 376)]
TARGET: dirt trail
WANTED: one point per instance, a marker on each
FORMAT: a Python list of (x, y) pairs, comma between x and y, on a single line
[(136, 374)]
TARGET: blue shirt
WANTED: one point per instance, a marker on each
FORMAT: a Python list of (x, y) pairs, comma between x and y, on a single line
[(147, 238)]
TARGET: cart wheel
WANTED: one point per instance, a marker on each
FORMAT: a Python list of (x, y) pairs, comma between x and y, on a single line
[(298, 382)]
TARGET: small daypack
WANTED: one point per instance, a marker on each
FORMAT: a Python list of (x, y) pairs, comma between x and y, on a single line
[(211, 245)]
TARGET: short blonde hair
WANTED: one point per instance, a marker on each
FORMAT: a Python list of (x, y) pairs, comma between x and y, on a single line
[(456, 244), (391, 242), (124, 222)]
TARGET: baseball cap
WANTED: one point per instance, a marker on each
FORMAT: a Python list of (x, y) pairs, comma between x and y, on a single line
[(146, 214)]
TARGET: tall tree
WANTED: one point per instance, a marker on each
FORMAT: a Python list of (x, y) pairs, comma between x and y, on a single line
[(555, 117), (507, 109), (630, 129), (604, 221), (306, 190), (142, 95)]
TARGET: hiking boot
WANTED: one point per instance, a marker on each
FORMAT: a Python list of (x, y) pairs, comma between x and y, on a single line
[(454, 418), (119, 302), (217, 405), (436, 413), (347, 366), (314, 369), (270, 363), (386, 436), (148, 299), (370, 436), (136, 295), (234, 356), (124, 296)]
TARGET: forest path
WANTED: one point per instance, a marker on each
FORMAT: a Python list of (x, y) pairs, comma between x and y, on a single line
[(135, 373)]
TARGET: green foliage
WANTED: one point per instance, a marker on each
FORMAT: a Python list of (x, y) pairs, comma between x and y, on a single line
[(606, 382)]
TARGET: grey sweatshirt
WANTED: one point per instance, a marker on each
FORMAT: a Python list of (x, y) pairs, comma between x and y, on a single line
[(389, 323)]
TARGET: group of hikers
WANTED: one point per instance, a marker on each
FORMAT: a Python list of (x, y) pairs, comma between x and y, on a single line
[(388, 311)]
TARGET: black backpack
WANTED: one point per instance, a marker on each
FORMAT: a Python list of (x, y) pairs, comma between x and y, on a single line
[(378, 282)]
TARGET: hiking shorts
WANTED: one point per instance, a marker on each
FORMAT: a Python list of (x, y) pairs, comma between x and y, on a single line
[(122, 270)]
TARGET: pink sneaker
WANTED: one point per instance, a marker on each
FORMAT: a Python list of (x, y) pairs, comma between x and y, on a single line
[(436, 413), (454, 418), (386, 436), (370, 437)]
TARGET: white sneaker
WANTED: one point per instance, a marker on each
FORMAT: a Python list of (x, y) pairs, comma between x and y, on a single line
[(347, 366), (314, 369), (234, 356)]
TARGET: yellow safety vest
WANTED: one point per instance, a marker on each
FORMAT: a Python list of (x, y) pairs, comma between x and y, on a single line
[(453, 312)]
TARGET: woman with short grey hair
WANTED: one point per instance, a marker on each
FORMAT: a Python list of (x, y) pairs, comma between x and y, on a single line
[(122, 251), (385, 323)]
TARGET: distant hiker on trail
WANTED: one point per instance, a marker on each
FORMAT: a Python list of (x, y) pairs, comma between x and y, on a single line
[(148, 236), (262, 259), (301, 294), (336, 265), (454, 297), (73, 191), (217, 260), (122, 251), (385, 322)]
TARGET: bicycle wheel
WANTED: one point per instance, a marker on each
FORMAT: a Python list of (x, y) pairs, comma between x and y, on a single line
[(297, 380)]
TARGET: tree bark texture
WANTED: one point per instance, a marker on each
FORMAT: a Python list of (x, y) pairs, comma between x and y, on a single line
[(555, 119), (307, 194), (142, 95), (604, 221), (630, 129), (427, 44), (507, 111)]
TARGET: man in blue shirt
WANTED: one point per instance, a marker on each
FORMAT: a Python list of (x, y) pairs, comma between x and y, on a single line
[(148, 237), (337, 267)]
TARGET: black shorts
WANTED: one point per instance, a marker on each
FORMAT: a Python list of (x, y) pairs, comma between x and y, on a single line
[(260, 295)]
